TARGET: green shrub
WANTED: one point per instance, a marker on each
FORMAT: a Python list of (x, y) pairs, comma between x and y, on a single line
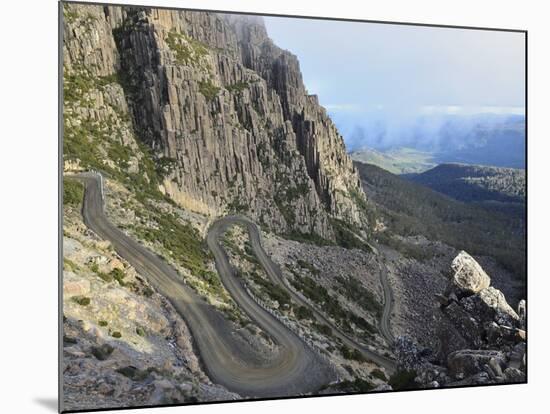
[(69, 340), (346, 237), (303, 313), (352, 354), (81, 300), (376, 373), (73, 192), (102, 352), (135, 374), (403, 380), (103, 323), (69, 265), (357, 385), (323, 329), (116, 334), (331, 306), (118, 275), (275, 292), (140, 331)]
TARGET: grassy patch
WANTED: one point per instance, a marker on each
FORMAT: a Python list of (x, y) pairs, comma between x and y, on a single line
[(184, 245), (69, 15), (187, 50), (310, 238), (354, 290), (237, 87), (331, 306), (273, 291), (345, 236), (70, 265), (208, 89), (73, 192)]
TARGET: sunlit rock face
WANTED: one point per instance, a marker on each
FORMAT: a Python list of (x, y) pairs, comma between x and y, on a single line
[(225, 112)]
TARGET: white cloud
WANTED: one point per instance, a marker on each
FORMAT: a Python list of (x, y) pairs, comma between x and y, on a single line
[(471, 110)]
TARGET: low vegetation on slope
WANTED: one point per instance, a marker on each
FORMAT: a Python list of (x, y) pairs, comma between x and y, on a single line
[(99, 135), (73, 191), (409, 209)]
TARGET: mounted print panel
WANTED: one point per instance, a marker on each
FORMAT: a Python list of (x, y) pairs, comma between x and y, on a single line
[(259, 207)]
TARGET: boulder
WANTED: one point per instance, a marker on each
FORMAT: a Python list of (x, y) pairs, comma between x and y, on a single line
[(467, 362), (74, 285), (102, 352), (164, 392), (495, 367), (481, 378), (514, 375), (382, 387), (468, 276), (522, 313), (517, 356), (499, 335), (490, 305)]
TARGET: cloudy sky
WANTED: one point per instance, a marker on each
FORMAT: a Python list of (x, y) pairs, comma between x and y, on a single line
[(368, 73)]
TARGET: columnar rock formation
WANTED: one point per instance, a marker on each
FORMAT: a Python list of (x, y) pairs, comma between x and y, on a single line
[(224, 111)]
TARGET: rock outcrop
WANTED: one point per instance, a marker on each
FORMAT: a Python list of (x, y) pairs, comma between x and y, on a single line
[(468, 275), (223, 110), (481, 338)]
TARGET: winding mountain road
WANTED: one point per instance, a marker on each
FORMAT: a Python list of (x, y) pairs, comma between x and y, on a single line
[(384, 326), (228, 360), (293, 369), (274, 273)]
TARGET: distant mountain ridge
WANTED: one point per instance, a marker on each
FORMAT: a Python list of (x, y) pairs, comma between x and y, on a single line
[(474, 183)]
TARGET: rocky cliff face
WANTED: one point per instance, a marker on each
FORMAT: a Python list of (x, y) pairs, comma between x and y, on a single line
[(223, 110)]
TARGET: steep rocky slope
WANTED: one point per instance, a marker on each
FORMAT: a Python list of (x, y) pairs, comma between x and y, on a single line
[(123, 343), (221, 110), (480, 339)]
